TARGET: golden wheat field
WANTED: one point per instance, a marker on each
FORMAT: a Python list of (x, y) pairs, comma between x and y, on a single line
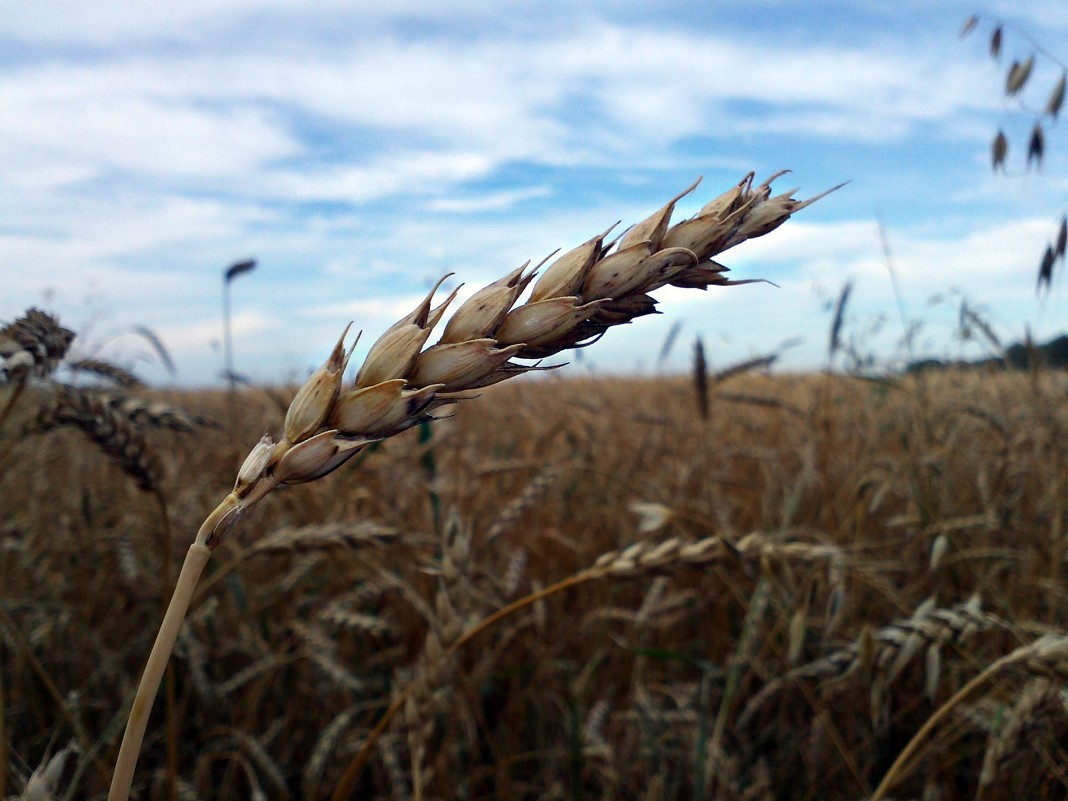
[(767, 602)]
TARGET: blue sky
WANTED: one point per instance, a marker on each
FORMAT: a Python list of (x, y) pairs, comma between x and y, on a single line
[(360, 151)]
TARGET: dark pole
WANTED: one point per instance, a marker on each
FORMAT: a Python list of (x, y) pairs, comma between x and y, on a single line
[(232, 272)]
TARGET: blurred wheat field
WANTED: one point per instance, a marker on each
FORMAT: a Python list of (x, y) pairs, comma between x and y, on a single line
[(854, 522)]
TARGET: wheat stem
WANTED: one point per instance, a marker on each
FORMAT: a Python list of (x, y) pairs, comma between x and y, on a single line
[(900, 769), (195, 561)]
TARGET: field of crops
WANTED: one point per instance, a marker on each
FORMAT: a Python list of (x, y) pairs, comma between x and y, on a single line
[(766, 600)]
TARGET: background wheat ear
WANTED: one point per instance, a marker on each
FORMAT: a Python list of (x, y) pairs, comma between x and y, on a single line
[(31, 346)]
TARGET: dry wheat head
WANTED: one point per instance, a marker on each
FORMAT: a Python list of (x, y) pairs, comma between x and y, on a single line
[(32, 345), (577, 298)]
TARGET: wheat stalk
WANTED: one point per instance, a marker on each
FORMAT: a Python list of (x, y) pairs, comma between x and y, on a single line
[(1046, 657), (401, 383)]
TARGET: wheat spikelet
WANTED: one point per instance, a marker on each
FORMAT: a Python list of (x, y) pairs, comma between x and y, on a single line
[(340, 612), (321, 649), (325, 747), (44, 782), (196, 655), (206, 765), (1046, 657), (114, 433), (32, 346), (513, 574), (646, 556), (154, 414), (249, 753), (700, 379), (515, 509), (104, 369), (887, 651), (247, 674)]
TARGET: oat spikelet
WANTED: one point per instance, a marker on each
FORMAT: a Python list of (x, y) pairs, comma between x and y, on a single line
[(32, 346)]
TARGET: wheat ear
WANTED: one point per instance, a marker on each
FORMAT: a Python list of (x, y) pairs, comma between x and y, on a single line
[(31, 346), (577, 298)]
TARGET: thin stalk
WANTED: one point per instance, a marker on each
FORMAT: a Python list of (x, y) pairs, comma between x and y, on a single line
[(3, 740), (739, 660), (171, 700), (900, 768), (195, 561)]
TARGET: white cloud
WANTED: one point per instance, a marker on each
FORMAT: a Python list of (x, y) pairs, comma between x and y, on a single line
[(493, 201), (360, 152)]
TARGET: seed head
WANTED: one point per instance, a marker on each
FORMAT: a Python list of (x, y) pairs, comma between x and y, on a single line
[(316, 398), (544, 321), (459, 365), (254, 465), (566, 275), (482, 314), (315, 457), (33, 344)]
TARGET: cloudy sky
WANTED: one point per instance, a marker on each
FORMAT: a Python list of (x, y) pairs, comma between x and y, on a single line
[(360, 150)]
